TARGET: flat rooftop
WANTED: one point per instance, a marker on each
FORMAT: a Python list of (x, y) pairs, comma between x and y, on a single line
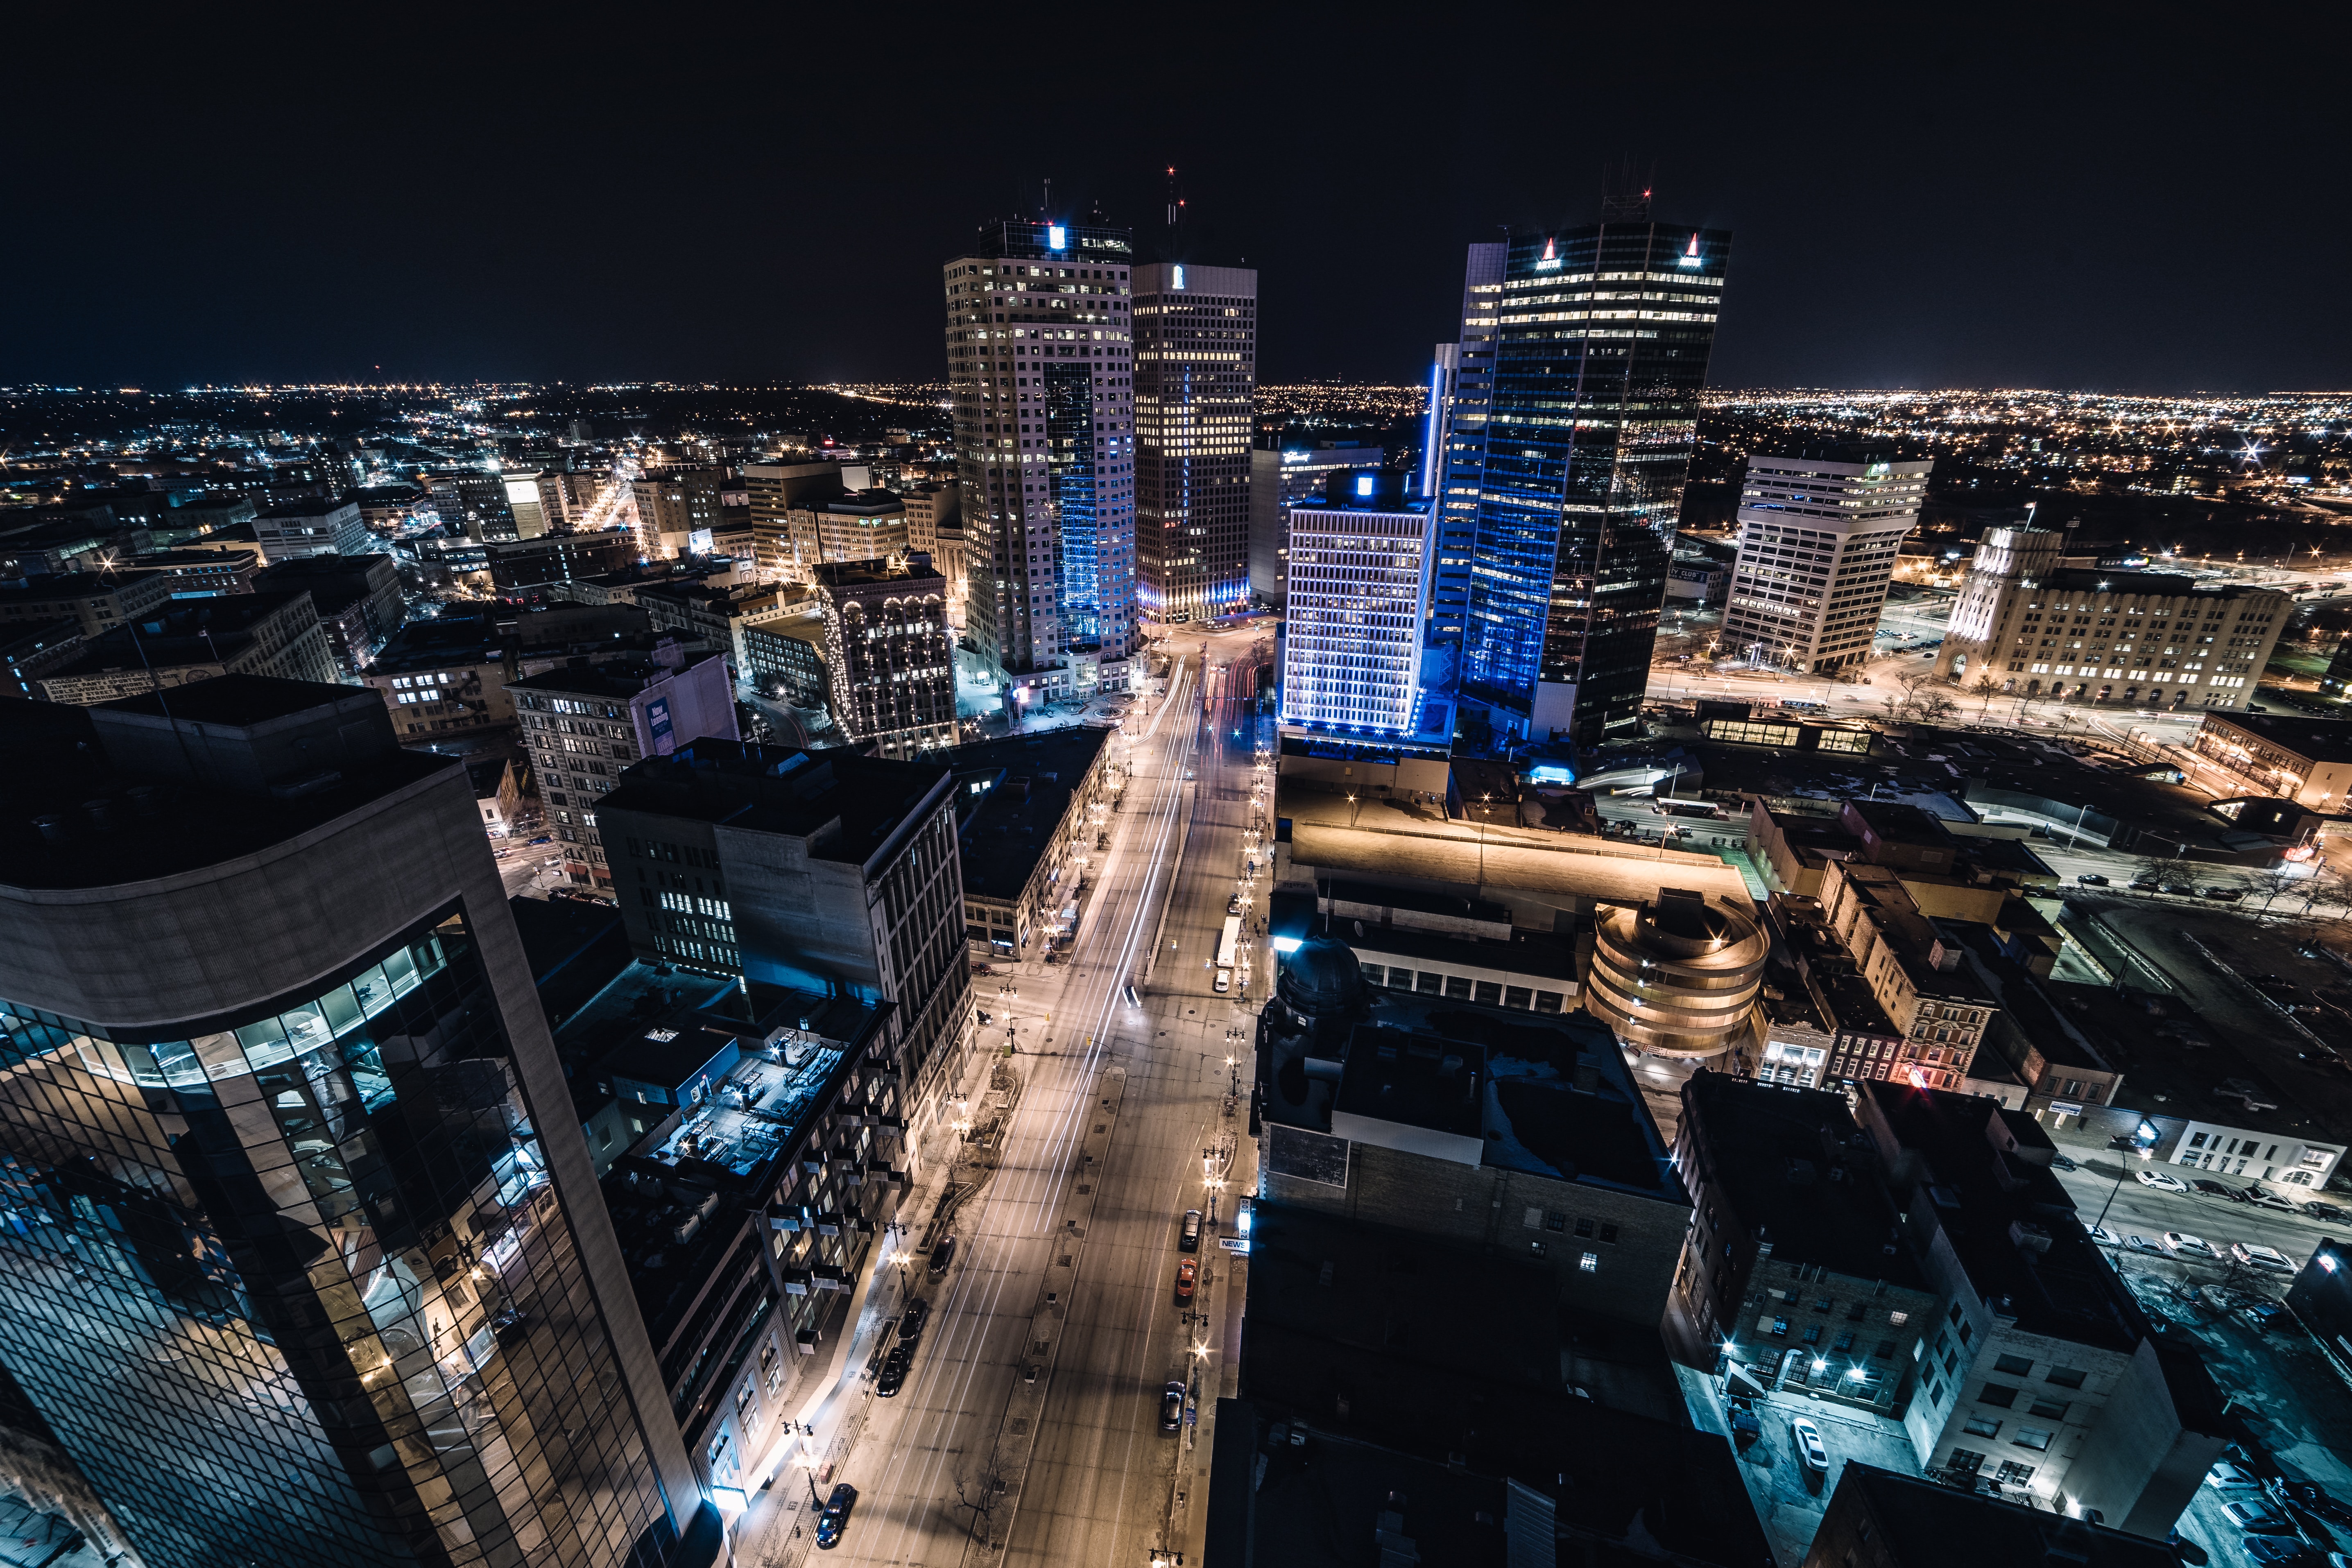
[(1012, 795), (2316, 740), (1926, 1524), (847, 803), (1773, 1151), (620, 679)]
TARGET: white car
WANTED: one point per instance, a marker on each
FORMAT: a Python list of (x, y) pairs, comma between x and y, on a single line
[(2225, 1474), (2255, 1517), (2269, 1257), (1809, 1447), (2158, 1179), (2180, 1243), (2102, 1237)]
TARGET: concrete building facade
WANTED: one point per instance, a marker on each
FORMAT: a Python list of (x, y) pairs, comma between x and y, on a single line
[(1280, 479), (1818, 537), (889, 670)]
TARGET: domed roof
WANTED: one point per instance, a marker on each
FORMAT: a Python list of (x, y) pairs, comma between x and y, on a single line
[(1321, 979)]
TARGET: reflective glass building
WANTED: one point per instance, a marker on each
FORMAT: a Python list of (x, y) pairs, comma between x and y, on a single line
[(1602, 338), (292, 1268)]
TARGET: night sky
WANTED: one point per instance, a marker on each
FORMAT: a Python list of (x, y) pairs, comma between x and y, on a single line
[(2021, 200)]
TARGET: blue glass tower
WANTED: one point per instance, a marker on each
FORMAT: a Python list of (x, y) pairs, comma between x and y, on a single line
[(1601, 341)]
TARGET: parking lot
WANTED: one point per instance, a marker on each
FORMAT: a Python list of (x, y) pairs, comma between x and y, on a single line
[(1790, 1496)]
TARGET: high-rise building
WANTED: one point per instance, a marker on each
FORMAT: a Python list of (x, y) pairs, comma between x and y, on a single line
[(1601, 340), (1280, 478), (524, 501), (829, 872), (673, 506), (1195, 401), (888, 665), (2030, 624), (305, 1260), (1818, 536), (1437, 419), (584, 723), (783, 529), (473, 501), (306, 528), (1457, 437), (1359, 576), (1040, 368)]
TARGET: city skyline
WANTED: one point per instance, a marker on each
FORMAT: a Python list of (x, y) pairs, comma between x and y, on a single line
[(2000, 218)]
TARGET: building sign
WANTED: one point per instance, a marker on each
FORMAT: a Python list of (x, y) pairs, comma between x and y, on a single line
[(1550, 261), (658, 726)]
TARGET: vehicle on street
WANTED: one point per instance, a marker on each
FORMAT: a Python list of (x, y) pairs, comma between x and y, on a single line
[(2158, 1179), (835, 1517), (2145, 885), (2181, 889), (2255, 1517), (943, 1255), (911, 1319), (2101, 1236), (543, 839), (2225, 1474), (2329, 1211), (2060, 1162), (1809, 1447), (2286, 1550), (1189, 1238), (2141, 1244), (2180, 1243), (1132, 999), (2091, 879), (2222, 895), (2262, 1198), (1224, 982), (2264, 1257), (1171, 1407), (2212, 1188), (1233, 905), (894, 1372), (1187, 1272), (2310, 1497)]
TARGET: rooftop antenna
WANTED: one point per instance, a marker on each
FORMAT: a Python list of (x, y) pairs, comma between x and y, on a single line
[(1047, 210), (1625, 193)]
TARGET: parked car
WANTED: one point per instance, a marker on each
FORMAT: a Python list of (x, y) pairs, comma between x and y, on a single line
[(1187, 1272), (2092, 880), (543, 839), (835, 1517), (2141, 1244), (894, 1372), (1171, 1407), (2145, 885), (911, 1320), (2101, 1236), (2265, 1258), (2183, 889), (1809, 1447), (2255, 1517), (2212, 1188), (2180, 1243), (2284, 1551), (2222, 895), (943, 1255), (2060, 1162), (2263, 1198), (1188, 1240), (2329, 1211), (2226, 1474), (2311, 1496), (2158, 1179)]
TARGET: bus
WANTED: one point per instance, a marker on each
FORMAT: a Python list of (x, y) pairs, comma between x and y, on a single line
[(1666, 806), (1229, 943)]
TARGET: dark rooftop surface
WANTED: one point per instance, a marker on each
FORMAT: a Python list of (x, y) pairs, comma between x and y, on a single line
[(847, 803), (2171, 1066), (2319, 740), (1011, 797), (1978, 1191), (60, 765), (1924, 1524), (186, 631), (866, 573), (1771, 1154), (68, 585), (616, 678), (1372, 1365)]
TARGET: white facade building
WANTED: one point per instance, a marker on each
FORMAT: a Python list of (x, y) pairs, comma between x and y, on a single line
[(1359, 572), (1818, 537)]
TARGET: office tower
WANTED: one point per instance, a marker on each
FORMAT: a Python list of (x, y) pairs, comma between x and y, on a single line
[(864, 525), (305, 1260), (305, 528), (2148, 638), (586, 722), (1195, 397), (1458, 435), (824, 872), (935, 526), (1040, 370), (1601, 349), (1280, 478), (473, 501), (1359, 576), (887, 662), (674, 505), (1437, 419), (531, 518), (1818, 536), (785, 546)]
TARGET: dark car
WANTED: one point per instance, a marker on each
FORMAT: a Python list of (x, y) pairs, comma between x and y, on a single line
[(1233, 905), (2212, 1188), (2060, 1162), (2282, 1550), (2310, 1497), (543, 839), (1171, 1407), (1189, 1238), (835, 1517), (911, 1320), (943, 1255), (2327, 1212), (894, 1373), (2145, 885), (2225, 895), (2183, 888), (2092, 880), (1186, 1273)]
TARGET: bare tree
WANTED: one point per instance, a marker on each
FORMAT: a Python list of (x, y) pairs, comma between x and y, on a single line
[(2269, 886), (1987, 689), (979, 1483), (2153, 867), (2325, 885)]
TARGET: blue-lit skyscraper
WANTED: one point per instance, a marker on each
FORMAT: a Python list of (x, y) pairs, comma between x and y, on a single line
[(1457, 437), (1195, 399), (1601, 349)]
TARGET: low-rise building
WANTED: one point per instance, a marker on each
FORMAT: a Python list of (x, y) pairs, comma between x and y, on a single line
[(1518, 1132), (498, 792), (889, 670), (1029, 810), (357, 596), (2305, 759), (784, 657), (1797, 1274), (30, 650), (1880, 1518), (586, 722), (1678, 975), (203, 574), (324, 526), (96, 602), (1434, 943), (2042, 1374), (1914, 970), (275, 634), (542, 567)]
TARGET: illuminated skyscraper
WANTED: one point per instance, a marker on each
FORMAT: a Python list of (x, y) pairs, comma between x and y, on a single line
[(1359, 573), (1601, 341), (305, 1261), (1818, 535), (1462, 385), (1039, 365), (1195, 396)]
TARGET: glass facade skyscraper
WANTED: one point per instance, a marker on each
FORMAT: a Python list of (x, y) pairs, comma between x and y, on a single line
[(1602, 341), (292, 1268)]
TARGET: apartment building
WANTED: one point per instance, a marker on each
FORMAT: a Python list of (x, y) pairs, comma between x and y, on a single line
[(1819, 531), (322, 527), (889, 668), (1914, 971), (273, 634), (96, 602)]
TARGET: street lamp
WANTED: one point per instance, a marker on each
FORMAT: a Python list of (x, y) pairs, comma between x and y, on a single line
[(1485, 810)]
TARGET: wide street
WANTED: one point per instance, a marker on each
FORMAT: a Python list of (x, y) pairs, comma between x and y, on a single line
[(1036, 1391)]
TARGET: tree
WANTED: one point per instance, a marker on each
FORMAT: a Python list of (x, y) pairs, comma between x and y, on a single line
[(979, 1483), (1987, 689), (2270, 884), (2153, 867)]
